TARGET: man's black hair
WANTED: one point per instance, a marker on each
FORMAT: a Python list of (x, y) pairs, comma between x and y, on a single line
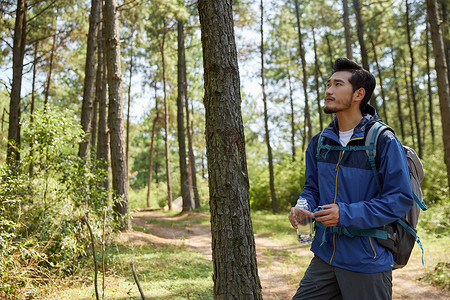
[(360, 78)]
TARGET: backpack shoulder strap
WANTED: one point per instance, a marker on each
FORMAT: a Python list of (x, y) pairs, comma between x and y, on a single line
[(371, 142)]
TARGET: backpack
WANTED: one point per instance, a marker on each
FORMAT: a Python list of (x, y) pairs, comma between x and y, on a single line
[(399, 236)]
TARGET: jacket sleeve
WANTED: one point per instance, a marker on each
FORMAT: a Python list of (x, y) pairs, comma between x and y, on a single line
[(311, 188), (396, 196)]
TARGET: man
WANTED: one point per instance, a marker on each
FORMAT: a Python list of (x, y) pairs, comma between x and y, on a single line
[(343, 185)]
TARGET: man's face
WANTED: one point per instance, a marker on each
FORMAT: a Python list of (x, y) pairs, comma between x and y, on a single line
[(339, 93)]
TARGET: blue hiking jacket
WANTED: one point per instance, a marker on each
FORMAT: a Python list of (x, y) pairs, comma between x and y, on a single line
[(346, 178)]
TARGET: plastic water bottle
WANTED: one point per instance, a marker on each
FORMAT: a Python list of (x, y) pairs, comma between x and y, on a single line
[(305, 226)]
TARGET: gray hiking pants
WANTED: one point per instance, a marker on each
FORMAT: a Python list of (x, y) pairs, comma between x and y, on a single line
[(325, 282)]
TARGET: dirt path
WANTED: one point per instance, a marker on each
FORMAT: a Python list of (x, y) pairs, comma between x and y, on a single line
[(278, 280)]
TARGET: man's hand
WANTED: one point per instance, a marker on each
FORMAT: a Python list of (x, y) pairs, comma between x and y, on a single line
[(329, 216), (298, 215)]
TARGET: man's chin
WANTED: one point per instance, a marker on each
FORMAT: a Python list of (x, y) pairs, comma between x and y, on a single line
[(329, 110)]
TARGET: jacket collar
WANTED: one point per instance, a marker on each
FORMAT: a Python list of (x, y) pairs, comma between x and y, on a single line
[(369, 117)]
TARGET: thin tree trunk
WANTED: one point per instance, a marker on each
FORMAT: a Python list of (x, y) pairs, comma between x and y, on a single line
[(380, 78), (412, 82), (330, 51), (308, 132), (360, 30), (50, 70), (410, 113), (100, 91), (89, 79), (273, 196), (129, 102), (184, 181), (33, 99), (233, 245), (442, 79), (291, 101), (190, 133), (166, 123), (19, 41), (397, 92), (152, 149), (348, 36), (445, 33), (316, 79), (115, 115), (430, 94)]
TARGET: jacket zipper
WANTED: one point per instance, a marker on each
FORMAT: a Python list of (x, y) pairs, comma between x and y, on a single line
[(341, 154)]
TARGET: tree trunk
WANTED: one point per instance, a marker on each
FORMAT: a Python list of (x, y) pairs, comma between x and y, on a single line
[(430, 93), (191, 157), (184, 181), (291, 102), (152, 149), (316, 79), (360, 30), (409, 105), (348, 36), (273, 196), (33, 99), (50, 69), (19, 41), (166, 123), (380, 78), (89, 79), (233, 245), (445, 34), (129, 102), (308, 132), (442, 79), (100, 91), (397, 92), (412, 82), (330, 51), (115, 115)]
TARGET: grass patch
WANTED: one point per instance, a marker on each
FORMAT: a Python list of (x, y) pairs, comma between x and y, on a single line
[(164, 272), (274, 226)]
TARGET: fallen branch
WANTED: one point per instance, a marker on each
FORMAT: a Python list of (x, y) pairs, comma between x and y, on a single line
[(137, 281), (93, 255)]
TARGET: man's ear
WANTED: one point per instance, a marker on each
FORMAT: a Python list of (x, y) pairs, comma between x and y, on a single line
[(359, 94)]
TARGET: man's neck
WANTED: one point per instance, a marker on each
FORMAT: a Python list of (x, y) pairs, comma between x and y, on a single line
[(348, 121)]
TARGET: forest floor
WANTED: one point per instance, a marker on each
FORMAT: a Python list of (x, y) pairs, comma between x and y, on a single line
[(280, 264)]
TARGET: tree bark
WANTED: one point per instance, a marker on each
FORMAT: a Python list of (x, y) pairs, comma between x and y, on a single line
[(316, 79), (19, 41), (307, 132), (152, 149), (273, 196), (380, 78), (397, 93), (100, 91), (442, 79), (412, 82), (33, 99), (184, 180), (233, 245), (89, 79), (191, 157), (430, 93), (360, 30), (291, 102), (348, 36), (50, 69), (129, 101), (166, 123), (115, 115)]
